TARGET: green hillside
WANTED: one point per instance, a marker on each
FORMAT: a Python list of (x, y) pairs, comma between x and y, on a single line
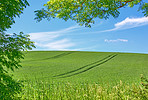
[(76, 66)]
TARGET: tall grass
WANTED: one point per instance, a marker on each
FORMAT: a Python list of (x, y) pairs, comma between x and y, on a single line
[(40, 90)]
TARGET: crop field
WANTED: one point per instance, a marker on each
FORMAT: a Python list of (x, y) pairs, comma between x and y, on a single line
[(76, 66), (75, 75)]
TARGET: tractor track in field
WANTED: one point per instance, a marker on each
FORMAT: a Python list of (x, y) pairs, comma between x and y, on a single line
[(90, 66), (56, 56), (83, 66)]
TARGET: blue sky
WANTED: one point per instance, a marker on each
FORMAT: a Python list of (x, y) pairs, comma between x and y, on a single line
[(127, 33)]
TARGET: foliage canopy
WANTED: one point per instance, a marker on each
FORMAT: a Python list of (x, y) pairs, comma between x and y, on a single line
[(85, 11), (9, 9), (11, 47)]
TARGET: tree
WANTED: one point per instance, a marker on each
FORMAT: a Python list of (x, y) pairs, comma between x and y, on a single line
[(9, 9), (11, 47), (85, 11)]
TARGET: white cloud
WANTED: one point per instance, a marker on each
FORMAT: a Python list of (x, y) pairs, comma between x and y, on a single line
[(129, 23), (42, 36), (57, 45), (117, 40), (50, 40), (47, 36)]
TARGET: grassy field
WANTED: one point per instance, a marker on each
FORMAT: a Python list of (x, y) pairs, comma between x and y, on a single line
[(75, 66), (73, 75)]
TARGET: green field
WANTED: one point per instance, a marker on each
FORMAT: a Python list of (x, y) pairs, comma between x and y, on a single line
[(76, 66), (75, 75)]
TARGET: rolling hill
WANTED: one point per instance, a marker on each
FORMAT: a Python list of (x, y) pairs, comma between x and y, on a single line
[(78, 66)]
